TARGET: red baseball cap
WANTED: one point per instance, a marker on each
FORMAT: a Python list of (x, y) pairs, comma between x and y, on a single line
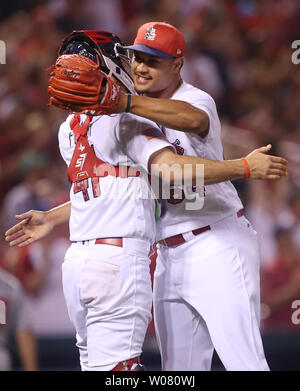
[(159, 39)]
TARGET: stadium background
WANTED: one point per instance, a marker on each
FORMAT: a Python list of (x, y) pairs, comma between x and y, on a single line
[(240, 52)]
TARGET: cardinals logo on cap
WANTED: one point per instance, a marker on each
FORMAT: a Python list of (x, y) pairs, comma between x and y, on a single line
[(150, 34)]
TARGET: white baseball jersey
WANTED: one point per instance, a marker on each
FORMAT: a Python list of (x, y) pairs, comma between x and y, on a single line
[(112, 205), (221, 199)]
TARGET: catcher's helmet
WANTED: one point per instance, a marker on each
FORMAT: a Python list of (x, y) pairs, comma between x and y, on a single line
[(104, 48)]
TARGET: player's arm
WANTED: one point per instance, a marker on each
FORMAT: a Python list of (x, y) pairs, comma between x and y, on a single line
[(84, 96), (35, 225), (27, 350), (174, 114), (261, 166)]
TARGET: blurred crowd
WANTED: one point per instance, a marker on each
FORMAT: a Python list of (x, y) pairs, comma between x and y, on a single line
[(239, 51)]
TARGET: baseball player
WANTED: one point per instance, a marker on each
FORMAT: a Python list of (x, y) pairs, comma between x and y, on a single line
[(106, 277), (105, 273), (206, 286)]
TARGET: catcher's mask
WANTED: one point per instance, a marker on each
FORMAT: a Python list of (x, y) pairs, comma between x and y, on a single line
[(104, 48)]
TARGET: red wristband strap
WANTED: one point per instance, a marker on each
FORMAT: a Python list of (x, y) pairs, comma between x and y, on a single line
[(247, 174)]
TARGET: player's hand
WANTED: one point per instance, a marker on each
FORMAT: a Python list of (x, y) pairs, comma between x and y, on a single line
[(264, 166), (33, 226)]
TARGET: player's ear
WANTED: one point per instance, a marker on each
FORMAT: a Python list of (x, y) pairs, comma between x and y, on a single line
[(178, 63)]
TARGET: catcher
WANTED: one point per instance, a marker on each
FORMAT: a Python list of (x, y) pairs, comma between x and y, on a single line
[(106, 277)]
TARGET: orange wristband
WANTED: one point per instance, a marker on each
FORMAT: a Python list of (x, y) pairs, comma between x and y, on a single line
[(247, 174)]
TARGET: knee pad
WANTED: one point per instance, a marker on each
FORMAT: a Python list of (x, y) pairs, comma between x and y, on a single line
[(133, 364)]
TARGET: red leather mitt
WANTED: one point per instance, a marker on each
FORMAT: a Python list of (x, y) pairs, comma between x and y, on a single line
[(77, 84)]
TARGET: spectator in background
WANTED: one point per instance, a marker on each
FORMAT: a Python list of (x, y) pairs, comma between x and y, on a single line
[(18, 263), (16, 321), (38, 269), (201, 71), (72, 15), (280, 285), (25, 195), (45, 296), (266, 201)]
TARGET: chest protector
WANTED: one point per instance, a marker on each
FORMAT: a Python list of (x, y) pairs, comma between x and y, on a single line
[(85, 164)]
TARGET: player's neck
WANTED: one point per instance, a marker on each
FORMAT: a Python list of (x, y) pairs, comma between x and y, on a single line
[(167, 92)]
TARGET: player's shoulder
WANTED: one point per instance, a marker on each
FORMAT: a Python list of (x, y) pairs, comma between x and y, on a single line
[(65, 125), (133, 124), (189, 92)]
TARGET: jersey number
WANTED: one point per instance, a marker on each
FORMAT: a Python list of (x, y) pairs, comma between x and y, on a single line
[(83, 186)]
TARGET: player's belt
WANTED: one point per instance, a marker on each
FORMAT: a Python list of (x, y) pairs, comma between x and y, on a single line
[(176, 240), (112, 241)]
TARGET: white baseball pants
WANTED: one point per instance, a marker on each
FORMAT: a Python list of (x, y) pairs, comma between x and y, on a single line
[(206, 296), (109, 298)]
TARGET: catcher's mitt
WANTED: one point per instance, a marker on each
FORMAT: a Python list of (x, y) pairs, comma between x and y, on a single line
[(77, 84)]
